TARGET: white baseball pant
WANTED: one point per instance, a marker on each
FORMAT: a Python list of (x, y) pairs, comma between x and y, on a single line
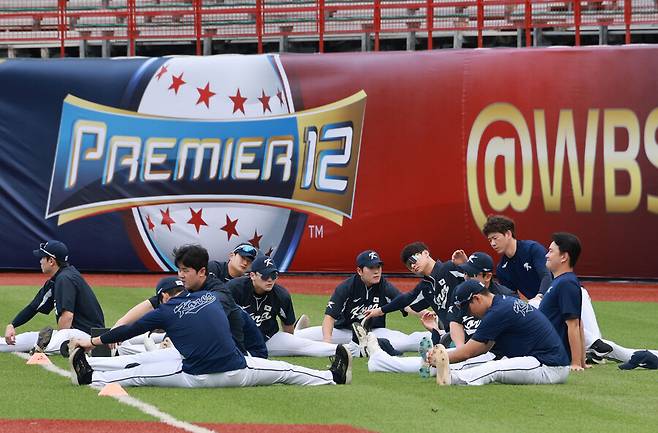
[(27, 340), (399, 340), (257, 373), (285, 344), (112, 363), (381, 361)]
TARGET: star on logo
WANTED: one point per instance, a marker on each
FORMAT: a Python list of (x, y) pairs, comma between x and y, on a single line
[(238, 102), (255, 241), (230, 228), (167, 220), (150, 222), (527, 266), (176, 82), (163, 71), (197, 219), (204, 95), (265, 100), (373, 255)]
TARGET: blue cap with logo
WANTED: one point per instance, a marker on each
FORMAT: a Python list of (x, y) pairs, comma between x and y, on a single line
[(55, 249), (167, 283), (477, 263), (265, 266), (465, 292), (641, 358), (246, 250), (368, 258)]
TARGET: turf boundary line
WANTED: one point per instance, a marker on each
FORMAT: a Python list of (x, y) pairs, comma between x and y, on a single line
[(132, 401)]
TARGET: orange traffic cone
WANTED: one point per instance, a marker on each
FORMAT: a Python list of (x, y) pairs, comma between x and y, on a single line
[(38, 358), (112, 389)]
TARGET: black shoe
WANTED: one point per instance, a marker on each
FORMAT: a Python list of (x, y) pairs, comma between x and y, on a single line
[(592, 358), (64, 349), (341, 367), (600, 348), (42, 340), (81, 371)]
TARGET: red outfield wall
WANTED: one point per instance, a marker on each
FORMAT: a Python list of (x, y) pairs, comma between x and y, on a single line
[(559, 139)]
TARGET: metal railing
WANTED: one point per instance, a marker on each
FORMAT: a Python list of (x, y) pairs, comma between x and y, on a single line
[(130, 21)]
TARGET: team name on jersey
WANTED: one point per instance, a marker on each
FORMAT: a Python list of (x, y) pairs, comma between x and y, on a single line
[(442, 295), (193, 306), (260, 318), (359, 311), (522, 307)]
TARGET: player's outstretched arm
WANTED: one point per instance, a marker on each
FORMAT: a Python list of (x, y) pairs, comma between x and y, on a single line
[(575, 343), (65, 320), (457, 334), (327, 328), (135, 313)]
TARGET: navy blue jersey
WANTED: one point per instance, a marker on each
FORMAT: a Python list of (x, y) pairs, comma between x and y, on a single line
[(351, 299), (219, 270), (263, 309), (66, 291), (254, 341), (518, 329), (471, 323), (198, 327), (436, 290), (526, 271), (563, 301)]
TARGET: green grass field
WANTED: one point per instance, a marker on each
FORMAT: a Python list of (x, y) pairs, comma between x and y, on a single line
[(602, 399)]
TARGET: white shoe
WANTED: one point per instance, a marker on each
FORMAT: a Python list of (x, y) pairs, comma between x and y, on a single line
[(362, 337), (372, 345), (438, 357), (149, 344), (302, 323)]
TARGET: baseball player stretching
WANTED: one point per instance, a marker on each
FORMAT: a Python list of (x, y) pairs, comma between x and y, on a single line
[(521, 269), (199, 329), (239, 261), (528, 348), (365, 290), (436, 289), (265, 301), (76, 308)]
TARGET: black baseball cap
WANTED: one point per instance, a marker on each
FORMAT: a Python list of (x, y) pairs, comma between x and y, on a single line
[(641, 358), (265, 266), (55, 249), (167, 283), (477, 263), (246, 250), (368, 258), (465, 292)]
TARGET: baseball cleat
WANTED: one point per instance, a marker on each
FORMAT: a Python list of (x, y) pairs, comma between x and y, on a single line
[(439, 358), (81, 371), (166, 343), (372, 344), (64, 349), (341, 367), (592, 358), (423, 347), (362, 337), (43, 339), (302, 322), (367, 324), (600, 348)]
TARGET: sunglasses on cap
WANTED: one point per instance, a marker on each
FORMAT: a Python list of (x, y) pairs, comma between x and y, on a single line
[(245, 248), (42, 248), (413, 259)]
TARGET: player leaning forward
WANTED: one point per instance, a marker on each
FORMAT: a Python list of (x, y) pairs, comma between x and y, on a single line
[(527, 345), (199, 329), (76, 308)]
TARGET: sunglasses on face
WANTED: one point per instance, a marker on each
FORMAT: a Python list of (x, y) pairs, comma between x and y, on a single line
[(273, 276)]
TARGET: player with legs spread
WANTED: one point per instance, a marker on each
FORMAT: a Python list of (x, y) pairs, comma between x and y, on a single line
[(76, 308), (192, 262), (366, 290), (521, 269), (238, 264), (462, 325), (199, 329), (253, 338), (435, 290), (265, 301), (527, 347)]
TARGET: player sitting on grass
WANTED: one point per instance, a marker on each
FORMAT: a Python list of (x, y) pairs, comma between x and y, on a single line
[(265, 302), (199, 329), (365, 290), (527, 348), (76, 308), (238, 264)]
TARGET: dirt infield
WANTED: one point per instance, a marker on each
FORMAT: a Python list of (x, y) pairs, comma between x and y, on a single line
[(79, 426), (324, 285)]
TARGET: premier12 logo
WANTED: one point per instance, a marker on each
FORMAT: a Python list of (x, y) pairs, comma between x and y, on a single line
[(109, 159)]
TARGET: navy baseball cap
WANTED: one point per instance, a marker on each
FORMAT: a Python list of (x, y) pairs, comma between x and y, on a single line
[(55, 249), (641, 358), (265, 266), (477, 263), (465, 292), (167, 283), (246, 250), (368, 258)]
